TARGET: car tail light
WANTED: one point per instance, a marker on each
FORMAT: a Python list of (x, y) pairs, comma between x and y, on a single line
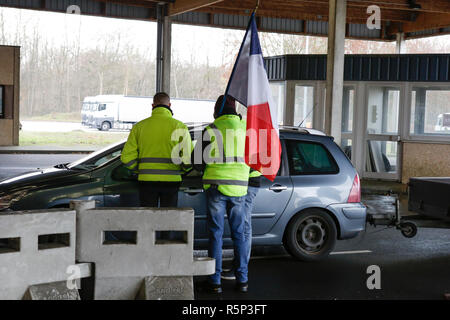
[(355, 192)]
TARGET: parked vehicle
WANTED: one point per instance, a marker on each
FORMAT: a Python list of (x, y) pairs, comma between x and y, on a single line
[(193, 110), (90, 113), (443, 123), (107, 112), (85, 109), (314, 200), (121, 112)]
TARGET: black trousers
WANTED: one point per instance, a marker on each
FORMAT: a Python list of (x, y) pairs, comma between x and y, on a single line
[(158, 194)]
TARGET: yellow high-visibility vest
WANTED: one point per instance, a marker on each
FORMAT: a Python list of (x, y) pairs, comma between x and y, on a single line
[(153, 145), (225, 166)]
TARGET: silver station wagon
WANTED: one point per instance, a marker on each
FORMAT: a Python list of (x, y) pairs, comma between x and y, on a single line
[(313, 202)]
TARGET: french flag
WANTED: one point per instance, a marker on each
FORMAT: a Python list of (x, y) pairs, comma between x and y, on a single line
[(249, 85)]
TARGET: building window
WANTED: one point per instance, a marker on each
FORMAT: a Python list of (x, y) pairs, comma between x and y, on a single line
[(383, 110), (278, 92), (304, 104), (2, 104), (430, 111), (348, 99)]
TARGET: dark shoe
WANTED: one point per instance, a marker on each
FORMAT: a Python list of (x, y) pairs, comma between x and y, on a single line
[(226, 269), (242, 287), (228, 274), (209, 287)]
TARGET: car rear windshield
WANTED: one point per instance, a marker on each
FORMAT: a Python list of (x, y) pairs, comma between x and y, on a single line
[(307, 158)]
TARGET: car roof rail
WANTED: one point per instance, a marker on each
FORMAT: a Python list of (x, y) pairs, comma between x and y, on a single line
[(303, 130)]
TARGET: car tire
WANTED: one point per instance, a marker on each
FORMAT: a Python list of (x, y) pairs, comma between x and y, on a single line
[(310, 235), (105, 126)]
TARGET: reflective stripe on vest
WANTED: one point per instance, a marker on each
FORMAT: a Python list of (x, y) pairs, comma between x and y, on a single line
[(131, 163), (160, 171), (226, 182)]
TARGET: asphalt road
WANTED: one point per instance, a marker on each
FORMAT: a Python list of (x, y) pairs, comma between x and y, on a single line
[(14, 164), (416, 268)]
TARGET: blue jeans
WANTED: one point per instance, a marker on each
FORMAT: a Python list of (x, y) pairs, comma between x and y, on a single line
[(249, 200), (218, 205)]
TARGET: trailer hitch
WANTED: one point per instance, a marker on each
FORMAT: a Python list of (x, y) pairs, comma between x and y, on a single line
[(407, 228)]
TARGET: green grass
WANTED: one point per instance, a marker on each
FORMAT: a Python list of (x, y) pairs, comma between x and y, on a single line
[(73, 138), (56, 116)]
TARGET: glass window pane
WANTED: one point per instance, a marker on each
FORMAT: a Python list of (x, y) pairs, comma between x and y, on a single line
[(346, 146), (381, 156), (430, 111), (304, 103), (382, 112), (278, 93), (309, 158), (347, 109)]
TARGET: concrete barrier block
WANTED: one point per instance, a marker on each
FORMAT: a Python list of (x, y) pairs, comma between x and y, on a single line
[(117, 288), (36, 247), (51, 291), (145, 256), (158, 242), (167, 288)]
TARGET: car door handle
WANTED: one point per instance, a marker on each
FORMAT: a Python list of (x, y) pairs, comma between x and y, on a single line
[(193, 190), (277, 188)]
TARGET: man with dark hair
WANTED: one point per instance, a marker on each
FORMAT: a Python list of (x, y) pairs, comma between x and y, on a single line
[(225, 180), (159, 147)]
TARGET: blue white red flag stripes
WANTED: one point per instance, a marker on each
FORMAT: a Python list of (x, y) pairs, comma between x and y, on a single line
[(249, 85)]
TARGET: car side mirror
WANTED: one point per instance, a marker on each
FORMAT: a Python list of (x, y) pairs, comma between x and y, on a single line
[(122, 173)]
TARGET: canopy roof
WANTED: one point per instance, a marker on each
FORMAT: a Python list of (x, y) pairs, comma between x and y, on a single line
[(416, 18)]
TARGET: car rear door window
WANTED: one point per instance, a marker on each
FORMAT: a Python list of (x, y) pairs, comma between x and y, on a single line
[(309, 158)]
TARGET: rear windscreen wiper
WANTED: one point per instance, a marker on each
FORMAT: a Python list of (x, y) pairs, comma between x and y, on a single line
[(61, 166)]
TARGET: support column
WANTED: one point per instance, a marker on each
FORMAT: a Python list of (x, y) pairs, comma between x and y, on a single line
[(400, 43), (289, 111), (163, 49), (335, 68)]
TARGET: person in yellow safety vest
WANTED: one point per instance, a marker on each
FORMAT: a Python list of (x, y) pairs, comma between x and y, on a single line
[(159, 147), (254, 183), (225, 179)]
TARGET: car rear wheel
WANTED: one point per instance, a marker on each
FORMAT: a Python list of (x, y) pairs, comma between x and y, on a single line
[(311, 235)]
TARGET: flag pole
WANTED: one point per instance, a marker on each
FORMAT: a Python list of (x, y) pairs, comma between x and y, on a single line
[(237, 59), (256, 8)]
